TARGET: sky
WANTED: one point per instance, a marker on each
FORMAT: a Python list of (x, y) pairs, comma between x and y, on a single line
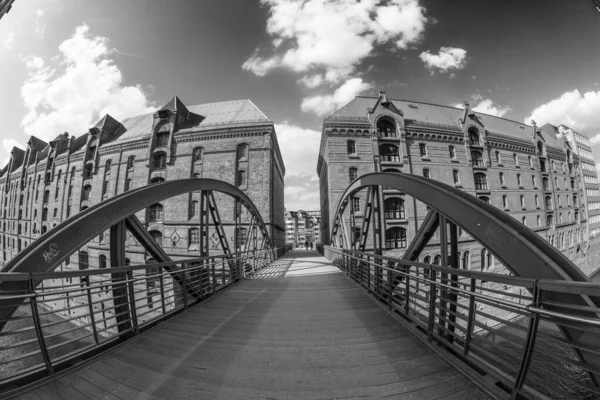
[(66, 63)]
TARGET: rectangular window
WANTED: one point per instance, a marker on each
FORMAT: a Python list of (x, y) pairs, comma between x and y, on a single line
[(530, 161), (241, 178), (519, 180), (534, 181), (456, 177), (128, 184), (355, 204), (502, 178), (452, 152), (423, 149), (516, 157), (353, 174), (537, 201), (351, 144), (522, 201), (104, 188), (194, 236), (426, 173), (505, 201)]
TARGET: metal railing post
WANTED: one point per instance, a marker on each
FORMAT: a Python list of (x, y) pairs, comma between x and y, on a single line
[(162, 293), (131, 290), (471, 317), (91, 307), (432, 298), (213, 274), (530, 342), (183, 286), (369, 273), (406, 289), (38, 326), (390, 282)]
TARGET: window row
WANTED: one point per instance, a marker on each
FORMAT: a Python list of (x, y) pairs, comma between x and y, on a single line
[(590, 179), (593, 192), (565, 239)]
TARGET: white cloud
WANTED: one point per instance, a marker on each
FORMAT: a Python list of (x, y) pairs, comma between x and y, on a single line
[(571, 108), (594, 140), (8, 145), (311, 81), (300, 152), (89, 87), (485, 106), (333, 37), (10, 40), (40, 25), (448, 58), (326, 104)]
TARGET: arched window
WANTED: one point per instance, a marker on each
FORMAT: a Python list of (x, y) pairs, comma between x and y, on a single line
[(197, 154), (44, 229), (242, 236), (353, 173), (102, 261), (44, 214), (194, 236), (394, 208), (157, 236), (426, 173), (386, 128), (85, 194), (466, 262), (389, 153), (480, 181), (351, 147), (159, 161), (427, 260), (540, 148), (155, 213), (242, 152), (46, 196), (88, 171), (477, 158), (395, 238), (474, 137), (437, 260), (545, 184), (549, 221)]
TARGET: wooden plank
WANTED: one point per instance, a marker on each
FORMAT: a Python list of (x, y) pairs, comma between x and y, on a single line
[(306, 336)]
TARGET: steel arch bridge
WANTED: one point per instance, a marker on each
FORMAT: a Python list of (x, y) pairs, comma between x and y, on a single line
[(118, 215), (523, 252)]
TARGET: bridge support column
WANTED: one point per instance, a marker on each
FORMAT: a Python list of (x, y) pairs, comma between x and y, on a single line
[(120, 294)]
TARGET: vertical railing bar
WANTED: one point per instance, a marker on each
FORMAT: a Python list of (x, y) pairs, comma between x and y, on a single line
[(471, 316), (162, 294), (91, 308), (406, 290), (432, 297), (38, 326), (132, 301), (213, 273), (530, 342), (390, 282), (183, 286)]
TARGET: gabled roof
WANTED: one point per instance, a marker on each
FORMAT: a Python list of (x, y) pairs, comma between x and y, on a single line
[(37, 144), (109, 125), (176, 105), (356, 111), (221, 114)]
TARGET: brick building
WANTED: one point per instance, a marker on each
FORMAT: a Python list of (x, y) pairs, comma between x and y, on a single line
[(535, 174), (232, 141), (302, 226)]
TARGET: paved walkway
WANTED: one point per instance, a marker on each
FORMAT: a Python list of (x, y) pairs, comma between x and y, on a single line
[(298, 330)]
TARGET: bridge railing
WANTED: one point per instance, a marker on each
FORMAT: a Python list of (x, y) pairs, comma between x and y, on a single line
[(67, 316), (496, 324)]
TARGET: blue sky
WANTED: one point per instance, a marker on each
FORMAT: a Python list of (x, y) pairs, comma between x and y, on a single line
[(65, 63)]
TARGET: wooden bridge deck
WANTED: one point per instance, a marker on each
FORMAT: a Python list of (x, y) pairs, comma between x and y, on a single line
[(298, 330)]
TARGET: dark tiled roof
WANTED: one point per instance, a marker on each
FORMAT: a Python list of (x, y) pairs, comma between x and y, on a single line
[(221, 114), (37, 144), (427, 113)]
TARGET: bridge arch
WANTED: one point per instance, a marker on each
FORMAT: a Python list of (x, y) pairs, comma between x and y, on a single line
[(518, 248), (52, 248)]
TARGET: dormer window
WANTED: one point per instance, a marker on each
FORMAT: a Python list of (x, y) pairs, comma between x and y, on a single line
[(386, 128), (162, 139), (162, 114), (474, 137)]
